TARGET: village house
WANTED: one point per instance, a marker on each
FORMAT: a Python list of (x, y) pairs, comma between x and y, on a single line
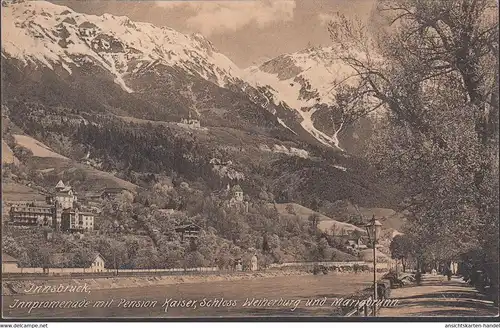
[(61, 261), (191, 122), (98, 263), (355, 244), (237, 194), (237, 198), (188, 232), (112, 193), (91, 202)]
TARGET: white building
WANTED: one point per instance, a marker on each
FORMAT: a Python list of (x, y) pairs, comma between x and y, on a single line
[(237, 193), (75, 221), (97, 264), (64, 196), (236, 198)]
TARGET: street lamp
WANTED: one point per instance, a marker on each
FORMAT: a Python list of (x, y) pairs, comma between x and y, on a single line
[(373, 230)]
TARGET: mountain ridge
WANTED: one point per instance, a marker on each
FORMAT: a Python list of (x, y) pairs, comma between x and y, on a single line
[(138, 56), (94, 74)]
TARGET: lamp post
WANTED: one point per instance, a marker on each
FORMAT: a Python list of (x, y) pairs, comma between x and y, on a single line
[(373, 230)]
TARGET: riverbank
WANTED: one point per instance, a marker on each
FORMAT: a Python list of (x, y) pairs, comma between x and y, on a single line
[(272, 286), (21, 287)]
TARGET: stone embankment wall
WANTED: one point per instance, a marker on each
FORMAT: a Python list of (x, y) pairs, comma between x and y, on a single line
[(16, 286)]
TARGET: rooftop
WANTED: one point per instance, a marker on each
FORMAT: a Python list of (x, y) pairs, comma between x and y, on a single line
[(237, 188), (60, 185), (87, 213), (30, 208)]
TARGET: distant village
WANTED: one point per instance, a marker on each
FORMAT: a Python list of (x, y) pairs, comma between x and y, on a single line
[(65, 212)]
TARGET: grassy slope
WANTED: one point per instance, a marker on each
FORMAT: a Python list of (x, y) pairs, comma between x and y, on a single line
[(44, 160), (71, 172), (389, 218), (12, 191), (7, 155), (37, 148), (325, 223)]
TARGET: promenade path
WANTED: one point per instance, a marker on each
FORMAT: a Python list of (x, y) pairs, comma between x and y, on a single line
[(439, 297)]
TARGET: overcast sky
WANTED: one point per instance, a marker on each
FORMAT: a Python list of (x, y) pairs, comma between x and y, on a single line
[(247, 31)]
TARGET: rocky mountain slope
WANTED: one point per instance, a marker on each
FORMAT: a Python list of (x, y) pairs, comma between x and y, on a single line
[(101, 101), (304, 80), (146, 71), (307, 81), (82, 83)]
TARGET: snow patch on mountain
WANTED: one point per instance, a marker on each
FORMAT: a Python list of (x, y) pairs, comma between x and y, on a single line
[(302, 79), (280, 121), (284, 150)]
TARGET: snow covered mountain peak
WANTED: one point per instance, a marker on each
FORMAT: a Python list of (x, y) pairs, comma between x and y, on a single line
[(154, 62), (42, 33), (303, 79)]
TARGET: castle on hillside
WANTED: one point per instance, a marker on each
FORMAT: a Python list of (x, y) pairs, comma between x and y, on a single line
[(61, 212), (236, 198), (237, 194)]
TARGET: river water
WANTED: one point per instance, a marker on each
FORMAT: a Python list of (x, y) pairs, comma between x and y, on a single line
[(276, 296)]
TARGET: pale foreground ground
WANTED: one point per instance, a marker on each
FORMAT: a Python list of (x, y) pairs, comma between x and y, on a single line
[(296, 288), (439, 297), (436, 297)]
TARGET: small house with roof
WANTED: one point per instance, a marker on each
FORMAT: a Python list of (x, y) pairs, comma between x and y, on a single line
[(188, 231), (61, 261), (97, 264), (237, 193), (192, 120), (355, 244), (112, 193)]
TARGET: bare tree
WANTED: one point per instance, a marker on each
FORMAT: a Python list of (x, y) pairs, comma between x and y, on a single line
[(430, 69)]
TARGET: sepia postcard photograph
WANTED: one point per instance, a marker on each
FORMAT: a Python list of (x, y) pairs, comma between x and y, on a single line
[(331, 160)]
